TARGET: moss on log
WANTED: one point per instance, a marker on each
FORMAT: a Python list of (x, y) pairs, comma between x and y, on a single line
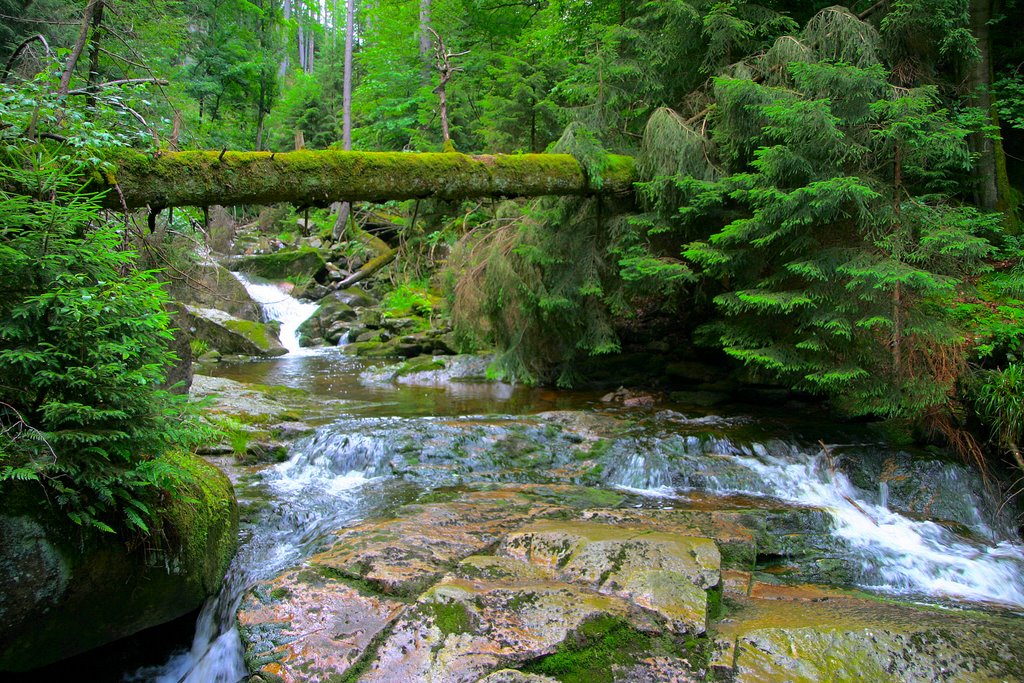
[(317, 178)]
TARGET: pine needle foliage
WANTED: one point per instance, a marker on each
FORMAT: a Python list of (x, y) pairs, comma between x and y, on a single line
[(544, 286), (83, 334), (841, 245)]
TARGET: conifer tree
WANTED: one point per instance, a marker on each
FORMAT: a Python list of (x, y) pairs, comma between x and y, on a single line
[(841, 242)]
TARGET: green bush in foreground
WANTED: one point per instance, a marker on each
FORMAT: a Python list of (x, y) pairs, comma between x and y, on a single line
[(83, 353)]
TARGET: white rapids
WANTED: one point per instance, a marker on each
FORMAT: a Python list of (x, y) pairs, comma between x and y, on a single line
[(279, 306)]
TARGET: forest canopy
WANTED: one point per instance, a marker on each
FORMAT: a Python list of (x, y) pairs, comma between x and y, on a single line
[(829, 195)]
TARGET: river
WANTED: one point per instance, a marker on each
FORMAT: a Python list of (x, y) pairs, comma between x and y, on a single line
[(381, 443)]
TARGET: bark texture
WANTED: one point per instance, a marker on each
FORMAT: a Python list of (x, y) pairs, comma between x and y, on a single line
[(318, 178)]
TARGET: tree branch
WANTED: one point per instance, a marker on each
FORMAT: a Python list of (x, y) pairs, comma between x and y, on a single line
[(122, 81), (21, 48), (76, 51)]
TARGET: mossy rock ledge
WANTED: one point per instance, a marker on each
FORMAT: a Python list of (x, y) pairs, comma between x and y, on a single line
[(65, 589), (231, 335), (302, 262)]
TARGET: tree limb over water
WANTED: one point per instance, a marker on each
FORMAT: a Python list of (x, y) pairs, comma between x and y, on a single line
[(317, 178)]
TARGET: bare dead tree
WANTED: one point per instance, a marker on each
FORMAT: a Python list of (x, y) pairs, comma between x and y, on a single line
[(443, 61), (20, 50)]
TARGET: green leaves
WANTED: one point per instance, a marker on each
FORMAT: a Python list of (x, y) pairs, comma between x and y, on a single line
[(83, 351)]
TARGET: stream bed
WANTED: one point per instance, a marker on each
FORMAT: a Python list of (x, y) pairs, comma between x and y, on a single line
[(415, 496)]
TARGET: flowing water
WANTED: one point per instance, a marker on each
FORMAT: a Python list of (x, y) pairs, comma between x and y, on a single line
[(279, 306), (388, 442)]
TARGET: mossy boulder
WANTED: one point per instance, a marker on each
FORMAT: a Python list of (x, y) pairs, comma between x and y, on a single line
[(323, 325), (65, 589), (355, 296), (303, 262), (231, 335)]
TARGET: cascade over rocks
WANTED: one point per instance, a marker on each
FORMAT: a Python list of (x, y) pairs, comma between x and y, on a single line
[(559, 577)]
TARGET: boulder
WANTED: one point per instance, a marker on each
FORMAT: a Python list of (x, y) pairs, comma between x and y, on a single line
[(231, 335), (65, 589), (211, 285), (303, 262), (324, 323)]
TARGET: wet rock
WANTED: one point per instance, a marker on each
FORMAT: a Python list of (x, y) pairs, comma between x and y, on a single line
[(403, 556), (332, 317), (514, 676), (355, 297), (818, 634), (630, 398), (312, 620), (666, 573), (230, 335), (281, 265), (460, 630), (65, 588), (923, 485), (210, 285)]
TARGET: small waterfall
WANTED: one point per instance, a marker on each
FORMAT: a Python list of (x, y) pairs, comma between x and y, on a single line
[(899, 554), (318, 491), (277, 305)]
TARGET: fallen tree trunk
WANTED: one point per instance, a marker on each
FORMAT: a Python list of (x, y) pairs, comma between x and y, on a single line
[(371, 267), (318, 178)]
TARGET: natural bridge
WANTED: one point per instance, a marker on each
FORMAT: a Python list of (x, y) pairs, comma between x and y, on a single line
[(317, 178)]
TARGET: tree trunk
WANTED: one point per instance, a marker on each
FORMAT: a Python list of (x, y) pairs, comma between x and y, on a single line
[(76, 50), (310, 40), (442, 103), (980, 82), (318, 178), (343, 209), (371, 267), (94, 54), (425, 42), (346, 97), (283, 68)]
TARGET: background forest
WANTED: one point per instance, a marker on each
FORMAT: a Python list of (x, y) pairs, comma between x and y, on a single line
[(829, 194)]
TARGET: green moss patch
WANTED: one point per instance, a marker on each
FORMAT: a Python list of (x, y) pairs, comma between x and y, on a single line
[(598, 647), (450, 617), (204, 519), (304, 262)]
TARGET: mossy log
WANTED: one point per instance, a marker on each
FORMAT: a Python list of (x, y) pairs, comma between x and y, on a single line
[(318, 178), (371, 267)]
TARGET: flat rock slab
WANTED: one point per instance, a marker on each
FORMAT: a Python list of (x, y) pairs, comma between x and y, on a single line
[(304, 626), (807, 634), (461, 629), (403, 556), (667, 573)]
